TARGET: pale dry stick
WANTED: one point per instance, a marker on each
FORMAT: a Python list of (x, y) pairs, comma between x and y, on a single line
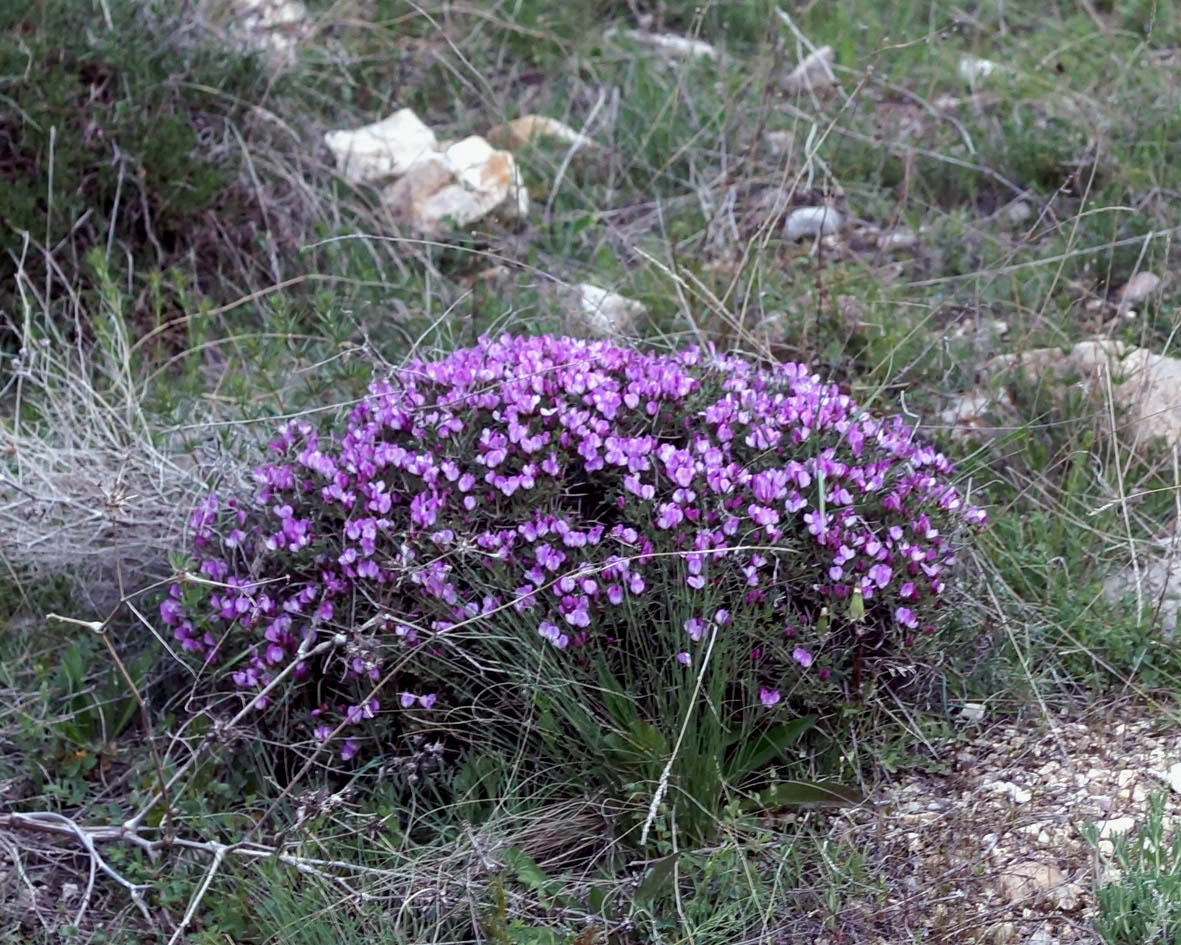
[(49, 210), (575, 146), (219, 856), (680, 283), (101, 630), (1105, 372), (83, 836), (259, 199), (59, 825), (662, 784), (677, 878), (14, 853), (489, 91), (999, 611), (901, 150), (1172, 555), (758, 242), (1070, 241)]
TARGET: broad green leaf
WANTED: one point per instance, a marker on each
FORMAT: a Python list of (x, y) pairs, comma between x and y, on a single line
[(767, 746), (527, 871), (656, 881), (808, 794)]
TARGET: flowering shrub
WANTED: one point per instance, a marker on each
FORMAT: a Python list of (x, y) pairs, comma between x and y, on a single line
[(604, 508)]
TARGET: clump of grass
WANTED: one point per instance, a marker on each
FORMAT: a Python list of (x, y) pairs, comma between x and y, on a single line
[(1142, 906), (89, 484)]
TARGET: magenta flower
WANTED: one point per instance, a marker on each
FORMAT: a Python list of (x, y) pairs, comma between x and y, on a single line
[(695, 627), (549, 632), (576, 476)]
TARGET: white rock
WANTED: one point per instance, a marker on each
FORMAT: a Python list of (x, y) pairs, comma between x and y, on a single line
[(1116, 827), (813, 72), (812, 221), (971, 712), (1139, 287), (1041, 936), (977, 415), (1003, 933), (274, 26), (460, 185), (602, 313), (973, 70), (1173, 777), (1015, 793), (780, 142), (675, 45), (519, 132), (1146, 386), (1018, 212), (900, 239), (383, 149), (1030, 881)]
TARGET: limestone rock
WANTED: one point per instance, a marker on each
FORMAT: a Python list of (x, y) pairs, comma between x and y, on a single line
[(516, 134), (812, 221), (1144, 386), (460, 185), (813, 72), (601, 313), (386, 148)]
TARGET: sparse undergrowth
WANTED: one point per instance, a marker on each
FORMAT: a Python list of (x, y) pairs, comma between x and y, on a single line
[(185, 272)]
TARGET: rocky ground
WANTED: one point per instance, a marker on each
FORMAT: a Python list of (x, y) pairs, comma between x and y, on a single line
[(1000, 834)]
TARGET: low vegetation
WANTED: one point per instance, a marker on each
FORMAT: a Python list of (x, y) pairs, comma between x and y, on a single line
[(352, 593)]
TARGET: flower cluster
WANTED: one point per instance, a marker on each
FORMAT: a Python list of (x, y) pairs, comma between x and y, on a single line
[(581, 494)]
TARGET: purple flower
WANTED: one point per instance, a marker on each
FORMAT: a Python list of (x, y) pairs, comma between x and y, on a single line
[(574, 474), (548, 631)]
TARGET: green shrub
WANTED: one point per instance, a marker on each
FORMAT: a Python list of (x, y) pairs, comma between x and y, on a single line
[(131, 136)]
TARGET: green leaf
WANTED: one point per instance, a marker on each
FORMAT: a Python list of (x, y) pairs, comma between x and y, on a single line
[(597, 899), (621, 709), (807, 794), (656, 881), (641, 746), (768, 746), (527, 871)]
